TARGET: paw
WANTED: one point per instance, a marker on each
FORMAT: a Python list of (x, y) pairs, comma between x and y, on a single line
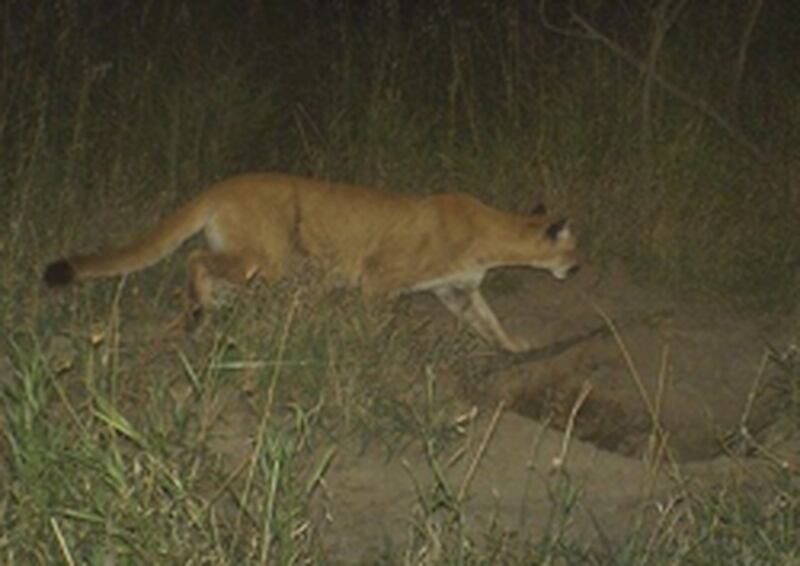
[(193, 319), (516, 345)]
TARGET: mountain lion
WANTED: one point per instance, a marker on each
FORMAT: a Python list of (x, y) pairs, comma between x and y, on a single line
[(384, 243)]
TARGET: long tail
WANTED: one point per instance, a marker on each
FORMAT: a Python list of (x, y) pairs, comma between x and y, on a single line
[(146, 250)]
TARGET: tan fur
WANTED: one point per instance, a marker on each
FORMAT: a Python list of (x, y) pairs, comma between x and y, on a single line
[(385, 243)]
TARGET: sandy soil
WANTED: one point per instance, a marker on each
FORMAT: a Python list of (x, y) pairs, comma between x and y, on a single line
[(658, 395)]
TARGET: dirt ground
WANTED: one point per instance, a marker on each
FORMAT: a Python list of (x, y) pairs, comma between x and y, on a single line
[(651, 396)]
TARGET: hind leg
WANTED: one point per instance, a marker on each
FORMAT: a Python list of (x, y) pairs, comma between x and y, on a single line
[(213, 276)]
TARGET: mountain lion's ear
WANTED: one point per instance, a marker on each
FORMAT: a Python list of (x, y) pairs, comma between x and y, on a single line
[(558, 230), (539, 210)]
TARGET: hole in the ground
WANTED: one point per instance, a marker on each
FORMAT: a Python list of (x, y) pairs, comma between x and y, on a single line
[(696, 416), (617, 420), (606, 423)]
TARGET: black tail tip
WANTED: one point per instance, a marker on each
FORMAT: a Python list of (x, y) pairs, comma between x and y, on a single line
[(59, 273)]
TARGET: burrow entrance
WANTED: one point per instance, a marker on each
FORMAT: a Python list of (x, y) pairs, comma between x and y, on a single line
[(689, 391)]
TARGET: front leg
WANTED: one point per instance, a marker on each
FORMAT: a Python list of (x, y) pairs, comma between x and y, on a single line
[(469, 306)]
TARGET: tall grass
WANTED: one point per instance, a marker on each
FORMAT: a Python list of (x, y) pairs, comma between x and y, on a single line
[(111, 114), (468, 96)]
